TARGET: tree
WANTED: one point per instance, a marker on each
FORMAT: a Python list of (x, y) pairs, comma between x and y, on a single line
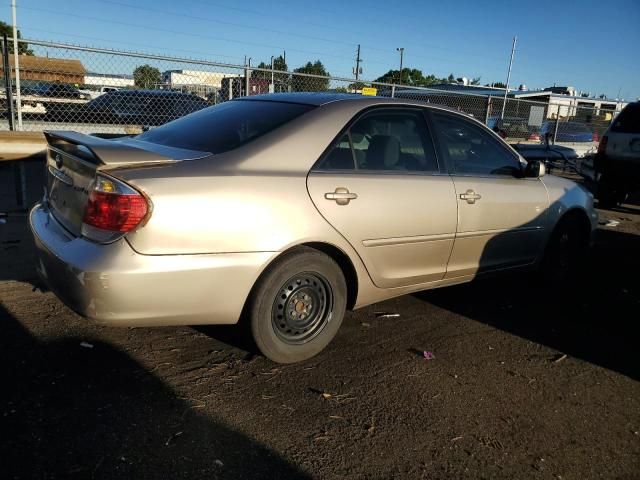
[(146, 76), (411, 77), (475, 81), (498, 85), (311, 84), (23, 48), (279, 79)]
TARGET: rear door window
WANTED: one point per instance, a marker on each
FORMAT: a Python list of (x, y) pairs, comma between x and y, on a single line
[(627, 121), (389, 140)]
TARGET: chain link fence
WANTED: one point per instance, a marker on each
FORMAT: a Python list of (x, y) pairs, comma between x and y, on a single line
[(106, 91)]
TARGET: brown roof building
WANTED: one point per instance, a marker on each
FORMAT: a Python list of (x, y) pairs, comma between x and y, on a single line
[(45, 69)]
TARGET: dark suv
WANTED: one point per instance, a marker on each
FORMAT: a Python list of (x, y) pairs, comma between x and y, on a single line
[(53, 90), (618, 159), (132, 107)]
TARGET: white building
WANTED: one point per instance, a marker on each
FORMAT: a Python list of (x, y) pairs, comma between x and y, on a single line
[(108, 80), (195, 78), (565, 103)]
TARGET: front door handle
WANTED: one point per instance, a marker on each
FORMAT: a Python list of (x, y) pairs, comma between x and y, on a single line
[(470, 196), (342, 196)]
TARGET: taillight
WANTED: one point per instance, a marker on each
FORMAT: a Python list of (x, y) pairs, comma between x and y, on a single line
[(534, 136), (595, 137), (602, 146), (113, 208)]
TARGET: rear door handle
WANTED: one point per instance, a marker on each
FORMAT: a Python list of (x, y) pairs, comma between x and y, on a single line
[(341, 195), (470, 196)]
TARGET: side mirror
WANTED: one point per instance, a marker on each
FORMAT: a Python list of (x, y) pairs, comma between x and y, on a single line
[(534, 169)]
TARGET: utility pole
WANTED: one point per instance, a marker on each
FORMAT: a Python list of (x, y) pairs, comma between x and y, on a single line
[(247, 74), (357, 71), (16, 64), (401, 50), (272, 88), (506, 88)]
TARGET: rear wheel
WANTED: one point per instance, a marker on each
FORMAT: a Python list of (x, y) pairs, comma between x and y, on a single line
[(297, 306), (610, 192)]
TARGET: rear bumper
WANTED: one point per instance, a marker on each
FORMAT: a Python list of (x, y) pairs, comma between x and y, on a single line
[(115, 285), (626, 169)]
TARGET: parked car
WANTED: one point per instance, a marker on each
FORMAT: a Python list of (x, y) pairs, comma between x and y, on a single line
[(575, 135), (513, 128), (131, 107), (99, 91), (284, 210), (618, 160), (54, 90)]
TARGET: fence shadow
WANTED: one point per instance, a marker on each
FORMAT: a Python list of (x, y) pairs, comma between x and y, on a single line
[(594, 319), (76, 412)]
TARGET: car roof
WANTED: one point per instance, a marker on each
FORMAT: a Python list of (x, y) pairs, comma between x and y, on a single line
[(319, 99), (305, 98)]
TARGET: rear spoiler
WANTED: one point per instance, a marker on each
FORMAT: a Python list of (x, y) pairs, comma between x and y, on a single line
[(100, 150)]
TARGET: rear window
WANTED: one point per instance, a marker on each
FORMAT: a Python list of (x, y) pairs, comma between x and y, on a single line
[(226, 126), (628, 120)]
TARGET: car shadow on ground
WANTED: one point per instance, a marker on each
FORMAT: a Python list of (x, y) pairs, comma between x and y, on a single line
[(93, 412), (594, 319)]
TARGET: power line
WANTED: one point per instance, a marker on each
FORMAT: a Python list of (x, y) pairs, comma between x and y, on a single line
[(142, 45), (222, 22), (176, 32), (261, 45), (279, 15)]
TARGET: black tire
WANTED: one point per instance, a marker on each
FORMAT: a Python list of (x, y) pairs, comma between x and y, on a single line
[(297, 306), (565, 256), (610, 193)]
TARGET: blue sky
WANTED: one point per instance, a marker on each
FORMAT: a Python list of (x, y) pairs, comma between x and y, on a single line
[(591, 45)]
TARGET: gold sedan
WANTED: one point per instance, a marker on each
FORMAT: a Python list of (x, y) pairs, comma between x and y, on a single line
[(282, 211)]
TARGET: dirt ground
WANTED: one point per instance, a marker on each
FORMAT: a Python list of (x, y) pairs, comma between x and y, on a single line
[(528, 381)]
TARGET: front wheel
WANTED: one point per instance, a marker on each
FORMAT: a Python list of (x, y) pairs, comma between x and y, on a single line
[(297, 306), (565, 254)]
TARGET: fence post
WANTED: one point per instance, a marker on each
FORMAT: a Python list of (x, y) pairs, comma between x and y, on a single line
[(393, 90), (555, 130), (8, 87), (246, 80), (488, 114)]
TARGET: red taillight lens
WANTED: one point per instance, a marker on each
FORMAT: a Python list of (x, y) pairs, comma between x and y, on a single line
[(595, 137), (115, 212), (602, 146)]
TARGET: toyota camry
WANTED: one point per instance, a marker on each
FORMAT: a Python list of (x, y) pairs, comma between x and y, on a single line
[(282, 211)]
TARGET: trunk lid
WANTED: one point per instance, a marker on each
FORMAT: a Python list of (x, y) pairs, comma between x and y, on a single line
[(74, 158)]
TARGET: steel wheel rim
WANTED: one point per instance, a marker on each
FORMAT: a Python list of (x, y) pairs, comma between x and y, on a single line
[(302, 308)]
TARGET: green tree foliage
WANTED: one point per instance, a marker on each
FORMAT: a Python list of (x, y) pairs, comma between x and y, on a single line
[(146, 76), (498, 85), (23, 48), (412, 77), (355, 86), (475, 81), (311, 84), (281, 80)]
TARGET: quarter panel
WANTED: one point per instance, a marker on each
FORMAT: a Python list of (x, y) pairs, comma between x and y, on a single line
[(565, 195), (227, 213)]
